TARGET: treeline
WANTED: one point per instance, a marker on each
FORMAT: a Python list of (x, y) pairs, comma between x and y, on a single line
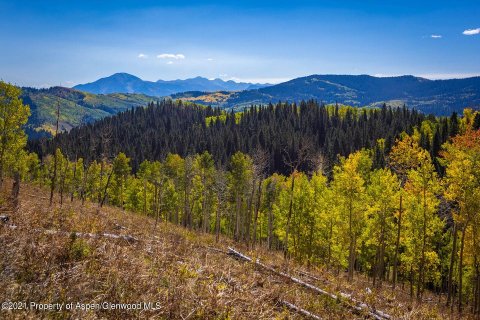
[(281, 130)]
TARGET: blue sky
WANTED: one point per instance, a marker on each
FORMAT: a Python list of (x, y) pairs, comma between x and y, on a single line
[(46, 43)]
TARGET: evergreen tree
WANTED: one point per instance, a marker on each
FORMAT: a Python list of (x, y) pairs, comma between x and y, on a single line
[(476, 121)]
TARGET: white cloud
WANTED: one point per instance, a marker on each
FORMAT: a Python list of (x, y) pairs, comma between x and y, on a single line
[(436, 36), (177, 56), (142, 56), (170, 62), (471, 32), (209, 59)]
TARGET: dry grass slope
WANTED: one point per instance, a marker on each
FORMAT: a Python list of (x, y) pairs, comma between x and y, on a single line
[(173, 266)]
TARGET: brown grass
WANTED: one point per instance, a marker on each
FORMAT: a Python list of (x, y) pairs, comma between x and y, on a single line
[(171, 265)]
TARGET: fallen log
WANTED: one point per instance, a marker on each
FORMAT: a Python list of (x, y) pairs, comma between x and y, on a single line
[(308, 275), (357, 305), (343, 295), (299, 310)]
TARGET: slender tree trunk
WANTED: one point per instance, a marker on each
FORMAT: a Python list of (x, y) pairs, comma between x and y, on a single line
[(144, 196), (154, 204), (62, 183), (72, 191), (105, 191), (204, 204), (375, 266), (411, 281), (381, 275), (158, 195), (310, 245), (477, 294), (54, 175), (476, 280), (475, 286), (122, 201), (397, 245), (2, 160), (351, 254), (460, 268), (379, 263), (16, 189), (217, 220), (53, 178), (290, 212), (257, 209), (237, 217), (185, 204), (247, 235), (3, 140), (452, 264), (84, 185), (330, 236), (102, 169), (424, 243), (270, 228)]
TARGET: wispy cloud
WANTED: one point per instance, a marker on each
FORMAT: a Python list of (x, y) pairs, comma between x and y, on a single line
[(177, 56), (210, 59), (436, 36), (170, 62), (471, 32), (142, 56)]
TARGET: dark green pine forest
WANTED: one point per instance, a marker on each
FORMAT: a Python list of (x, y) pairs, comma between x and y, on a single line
[(306, 133)]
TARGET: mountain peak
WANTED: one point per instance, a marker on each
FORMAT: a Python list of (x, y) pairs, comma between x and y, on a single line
[(122, 75), (126, 83)]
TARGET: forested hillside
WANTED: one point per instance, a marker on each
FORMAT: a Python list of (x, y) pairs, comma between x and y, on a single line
[(439, 97), (385, 195), (76, 108), (289, 134)]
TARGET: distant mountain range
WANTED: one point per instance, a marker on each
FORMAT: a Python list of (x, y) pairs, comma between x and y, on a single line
[(127, 83), (439, 97)]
